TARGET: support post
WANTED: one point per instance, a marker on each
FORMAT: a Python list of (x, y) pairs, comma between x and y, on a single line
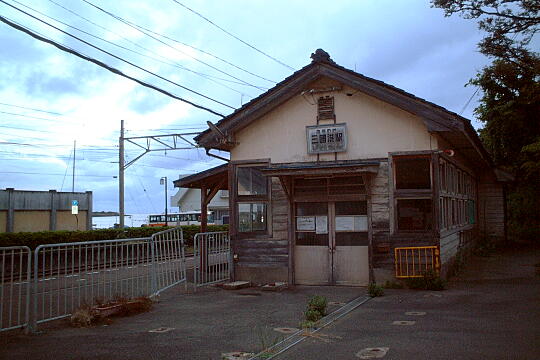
[(73, 179), (203, 245), (121, 169), (11, 210), (52, 218), (89, 210)]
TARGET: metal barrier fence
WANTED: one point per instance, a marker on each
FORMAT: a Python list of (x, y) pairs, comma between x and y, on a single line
[(169, 260), (416, 261), (68, 276), (15, 276), (212, 258)]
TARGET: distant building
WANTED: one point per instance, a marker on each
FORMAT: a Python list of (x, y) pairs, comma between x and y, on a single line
[(23, 210), (190, 200)]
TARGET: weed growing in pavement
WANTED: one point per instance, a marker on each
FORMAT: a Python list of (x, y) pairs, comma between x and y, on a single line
[(316, 309), (318, 303), (375, 290), (429, 281), (87, 315), (267, 339)]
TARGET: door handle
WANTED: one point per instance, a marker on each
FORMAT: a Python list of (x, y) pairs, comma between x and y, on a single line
[(332, 249)]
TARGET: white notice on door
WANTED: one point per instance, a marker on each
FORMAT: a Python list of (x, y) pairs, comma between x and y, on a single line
[(344, 223), (305, 223), (321, 225)]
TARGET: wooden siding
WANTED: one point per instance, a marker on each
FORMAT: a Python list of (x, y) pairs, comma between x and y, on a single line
[(491, 215), (271, 250)]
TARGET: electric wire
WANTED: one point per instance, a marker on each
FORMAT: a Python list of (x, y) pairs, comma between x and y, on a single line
[(116, 57), (230, 34), (165, 37), (172, 47), (173, 64), (29, 108), (103, 65), (67, 167)]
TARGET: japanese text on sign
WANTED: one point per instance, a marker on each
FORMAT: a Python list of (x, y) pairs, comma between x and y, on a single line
[(326, 138)]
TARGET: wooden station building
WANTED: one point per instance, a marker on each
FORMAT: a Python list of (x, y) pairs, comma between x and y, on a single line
[(337, 178)]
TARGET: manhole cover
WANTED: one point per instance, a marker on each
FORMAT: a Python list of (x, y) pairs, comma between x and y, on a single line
[(404, 322), (286, 330), (372, 353), (235, 355), (336, 303), (161, 330), (415, 313)]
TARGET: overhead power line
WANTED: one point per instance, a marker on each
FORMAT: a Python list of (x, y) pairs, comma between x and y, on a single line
[(172, 47), (165, 61), (230, 34), (117, 57), (34, 109), (102, 64), (163, 36)]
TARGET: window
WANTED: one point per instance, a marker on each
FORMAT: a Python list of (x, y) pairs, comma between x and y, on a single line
[(251, 181), (414, 214), (413, 193), (412, 173), (252, 195), (251, 217)]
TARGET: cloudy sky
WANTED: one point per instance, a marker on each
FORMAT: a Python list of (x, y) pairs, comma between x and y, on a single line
[(49, 98)]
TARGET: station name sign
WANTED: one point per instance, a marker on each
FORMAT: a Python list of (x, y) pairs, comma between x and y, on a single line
[(326, 138)]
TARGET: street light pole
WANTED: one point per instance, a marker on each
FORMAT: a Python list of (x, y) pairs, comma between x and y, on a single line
[(163, 181)]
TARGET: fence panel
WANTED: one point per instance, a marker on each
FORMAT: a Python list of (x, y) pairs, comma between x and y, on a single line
[(169, 260), (68, 276), (416, 261), (212, 258), (15, 286)]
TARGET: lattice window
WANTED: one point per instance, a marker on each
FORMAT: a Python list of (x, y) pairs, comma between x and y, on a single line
[(325, 108)]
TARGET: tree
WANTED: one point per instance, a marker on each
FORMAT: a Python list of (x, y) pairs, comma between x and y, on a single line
[(510, 24), (510, 104)]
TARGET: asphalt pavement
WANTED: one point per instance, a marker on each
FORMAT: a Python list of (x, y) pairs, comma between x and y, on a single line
[(490, 312)]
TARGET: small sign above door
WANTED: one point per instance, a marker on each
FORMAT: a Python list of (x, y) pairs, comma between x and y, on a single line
[(326, 138)]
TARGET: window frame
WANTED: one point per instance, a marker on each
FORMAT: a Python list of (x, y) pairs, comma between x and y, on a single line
[(250, 199), (413, 194)]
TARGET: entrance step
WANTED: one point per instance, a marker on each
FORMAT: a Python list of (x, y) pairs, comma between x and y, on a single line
[(235, 285), (277, 286)]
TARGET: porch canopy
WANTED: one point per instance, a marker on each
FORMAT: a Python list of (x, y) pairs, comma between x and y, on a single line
[(210, 182), (287, 171)]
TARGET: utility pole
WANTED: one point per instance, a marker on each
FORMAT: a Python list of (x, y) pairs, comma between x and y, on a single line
[(163, 181), (73, 180), (147, 144), (121, 169)]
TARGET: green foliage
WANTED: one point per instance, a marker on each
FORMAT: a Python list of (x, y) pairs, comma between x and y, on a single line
[(393, 285), (306, 324), (34, 239), (510, 104), (318, 303), (429, 281), (316, 309), (375, 290), (312, 315)]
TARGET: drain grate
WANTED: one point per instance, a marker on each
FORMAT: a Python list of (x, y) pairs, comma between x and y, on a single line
[(298, 336)]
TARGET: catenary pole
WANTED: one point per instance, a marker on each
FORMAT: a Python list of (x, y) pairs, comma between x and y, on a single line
[(121, 169)]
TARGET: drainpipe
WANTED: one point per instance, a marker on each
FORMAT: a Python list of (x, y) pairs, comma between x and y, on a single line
[(215, 156)]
